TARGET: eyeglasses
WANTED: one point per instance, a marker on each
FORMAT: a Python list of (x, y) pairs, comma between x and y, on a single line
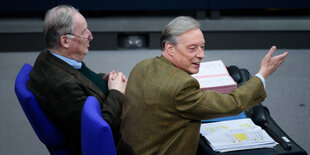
[(74, 35)]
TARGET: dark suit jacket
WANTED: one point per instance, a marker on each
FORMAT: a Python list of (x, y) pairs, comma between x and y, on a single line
[(164, 107), (61, 92)]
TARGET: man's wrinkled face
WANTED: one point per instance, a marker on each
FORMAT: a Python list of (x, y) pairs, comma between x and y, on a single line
[(82, 35), (189, 51)]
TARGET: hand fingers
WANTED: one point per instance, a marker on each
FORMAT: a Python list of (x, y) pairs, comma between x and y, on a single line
[(271, 51), (119, 75), (112, 75), (281, 57), (124, 78), (106, 76), (277, 60), (284, 54)]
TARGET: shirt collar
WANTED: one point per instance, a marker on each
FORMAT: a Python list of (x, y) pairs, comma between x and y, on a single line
[(74, 63)]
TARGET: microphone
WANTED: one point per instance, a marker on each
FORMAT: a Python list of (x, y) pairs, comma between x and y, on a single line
[(260, 118)]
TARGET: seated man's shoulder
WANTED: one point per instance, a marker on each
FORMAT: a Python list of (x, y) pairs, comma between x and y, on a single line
[(143, 64), (46, 73)]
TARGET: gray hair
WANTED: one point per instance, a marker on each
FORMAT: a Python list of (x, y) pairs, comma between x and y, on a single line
[(175, 28), (58, 21)]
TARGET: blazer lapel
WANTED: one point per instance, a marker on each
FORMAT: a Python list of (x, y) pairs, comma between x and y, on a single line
[(84, 80)]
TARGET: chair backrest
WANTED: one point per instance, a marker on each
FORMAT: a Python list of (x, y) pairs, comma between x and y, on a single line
[(44, 129), (96, 134)]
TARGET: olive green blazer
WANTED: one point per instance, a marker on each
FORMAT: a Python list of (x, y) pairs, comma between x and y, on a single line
[(61, 92), (164, 107)]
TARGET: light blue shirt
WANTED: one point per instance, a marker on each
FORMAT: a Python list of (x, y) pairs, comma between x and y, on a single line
[(262, 78), (74, 63)]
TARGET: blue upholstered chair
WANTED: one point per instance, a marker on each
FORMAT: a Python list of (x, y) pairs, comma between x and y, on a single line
[(43, 128), (96, 134)]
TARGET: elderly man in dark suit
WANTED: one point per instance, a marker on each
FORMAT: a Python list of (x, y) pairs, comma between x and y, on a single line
[(164, 105), (61, 82)]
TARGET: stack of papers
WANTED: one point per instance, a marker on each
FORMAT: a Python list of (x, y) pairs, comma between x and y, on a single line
[(241, 134), (213, 75)]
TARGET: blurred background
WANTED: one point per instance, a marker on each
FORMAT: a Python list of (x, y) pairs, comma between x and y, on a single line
[(239, 32)]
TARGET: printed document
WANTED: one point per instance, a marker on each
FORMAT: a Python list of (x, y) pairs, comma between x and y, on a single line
[(241, 134), (213, 75)]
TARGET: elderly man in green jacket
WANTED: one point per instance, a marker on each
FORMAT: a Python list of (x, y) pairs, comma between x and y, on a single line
[(164, 104)]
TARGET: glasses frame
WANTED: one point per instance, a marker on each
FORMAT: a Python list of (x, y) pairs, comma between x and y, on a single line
[(71, 35)]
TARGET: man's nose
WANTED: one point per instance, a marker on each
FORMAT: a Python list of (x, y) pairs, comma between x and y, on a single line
[(201, 53), (90, 35)]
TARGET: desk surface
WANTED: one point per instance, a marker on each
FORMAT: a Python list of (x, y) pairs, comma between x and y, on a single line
[(204, 148)]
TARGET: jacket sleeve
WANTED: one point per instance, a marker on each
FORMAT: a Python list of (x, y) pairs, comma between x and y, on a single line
[(112, 108), (193, 103)]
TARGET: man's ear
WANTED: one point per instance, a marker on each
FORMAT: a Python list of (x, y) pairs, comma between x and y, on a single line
[(169, 48), (64, 41)]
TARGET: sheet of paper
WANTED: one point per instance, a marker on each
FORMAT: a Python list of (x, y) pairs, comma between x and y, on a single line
[(218, 81), (214, 75), (236, 135), (215, 67)]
